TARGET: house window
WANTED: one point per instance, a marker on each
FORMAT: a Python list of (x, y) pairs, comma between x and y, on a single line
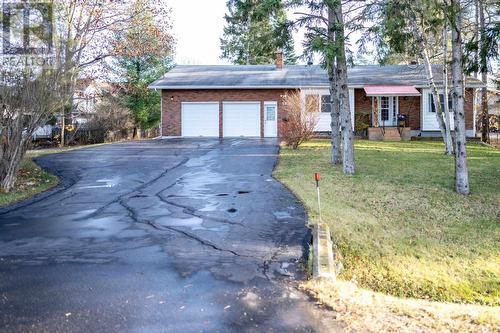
[(432, 108), (326, 106), (271, 113)]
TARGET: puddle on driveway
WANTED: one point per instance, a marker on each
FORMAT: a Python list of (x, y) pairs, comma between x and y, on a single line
[(103, 183), (244, 192), (211, 207), (282, 215), (194, 223), (178, 222)]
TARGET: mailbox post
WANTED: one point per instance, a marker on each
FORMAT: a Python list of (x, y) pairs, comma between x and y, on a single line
[(317, 177)]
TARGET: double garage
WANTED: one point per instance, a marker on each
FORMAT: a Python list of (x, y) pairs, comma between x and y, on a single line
[(239, 119)]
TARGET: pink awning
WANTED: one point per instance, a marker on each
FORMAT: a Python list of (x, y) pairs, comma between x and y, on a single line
[(391, 91)]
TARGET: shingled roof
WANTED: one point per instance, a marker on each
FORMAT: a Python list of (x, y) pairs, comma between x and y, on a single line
[(296, 76)]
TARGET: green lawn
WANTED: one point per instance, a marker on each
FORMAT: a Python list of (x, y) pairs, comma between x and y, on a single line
[(398, 224)]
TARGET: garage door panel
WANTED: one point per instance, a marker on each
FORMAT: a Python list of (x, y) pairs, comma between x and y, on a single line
[(241, 119), (200, 119)]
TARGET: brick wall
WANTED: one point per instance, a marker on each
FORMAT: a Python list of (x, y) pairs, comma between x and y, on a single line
[(362, 104), (469, 108), (172, 99), (409, 106)]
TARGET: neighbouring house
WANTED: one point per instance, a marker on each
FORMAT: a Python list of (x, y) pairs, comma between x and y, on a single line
[(88, 95), (386, 102)]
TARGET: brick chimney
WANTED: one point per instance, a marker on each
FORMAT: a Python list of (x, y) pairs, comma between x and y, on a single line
[(279, 60)]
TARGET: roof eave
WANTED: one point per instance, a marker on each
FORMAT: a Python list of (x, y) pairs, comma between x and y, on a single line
[(355, 86), (220, 87)]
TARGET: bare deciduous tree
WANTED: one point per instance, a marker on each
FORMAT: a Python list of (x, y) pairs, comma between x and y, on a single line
[(302, 117), (27, 100)]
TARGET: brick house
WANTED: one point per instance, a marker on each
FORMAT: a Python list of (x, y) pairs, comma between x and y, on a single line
[(247, 100)]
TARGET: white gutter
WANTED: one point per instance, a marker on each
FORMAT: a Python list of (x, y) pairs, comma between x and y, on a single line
[(224, 87), (193, 87)]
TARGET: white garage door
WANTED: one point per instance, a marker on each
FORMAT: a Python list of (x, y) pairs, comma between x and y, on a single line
[(200, 119), (241, 119)]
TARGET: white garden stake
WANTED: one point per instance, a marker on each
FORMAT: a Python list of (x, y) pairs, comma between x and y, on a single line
[(317, 177)]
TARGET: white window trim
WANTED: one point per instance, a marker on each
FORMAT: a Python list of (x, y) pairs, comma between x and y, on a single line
[(441, 93), (271, 103), (391, 107), (275, 104), (320, 92)]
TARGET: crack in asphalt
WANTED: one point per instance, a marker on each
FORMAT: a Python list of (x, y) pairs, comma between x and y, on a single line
[(206, 243), (123, 199), (193, 212), (133, 214), (266, 263), (137, 189)]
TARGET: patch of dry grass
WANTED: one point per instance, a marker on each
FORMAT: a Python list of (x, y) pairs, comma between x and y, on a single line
[(31, 180), (362, 310)]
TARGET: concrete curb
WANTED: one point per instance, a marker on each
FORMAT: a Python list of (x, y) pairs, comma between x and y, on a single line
[(323, 264)]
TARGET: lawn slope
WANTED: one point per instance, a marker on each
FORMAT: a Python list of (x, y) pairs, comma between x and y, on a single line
[(399, 226)]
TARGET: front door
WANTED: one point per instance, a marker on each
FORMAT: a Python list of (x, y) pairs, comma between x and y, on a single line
[(387, 110), (270, 119)]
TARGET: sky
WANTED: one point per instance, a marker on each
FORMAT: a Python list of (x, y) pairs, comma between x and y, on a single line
[(198, 27)]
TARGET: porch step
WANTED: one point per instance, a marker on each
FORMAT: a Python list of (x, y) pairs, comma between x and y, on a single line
[(392, 134)]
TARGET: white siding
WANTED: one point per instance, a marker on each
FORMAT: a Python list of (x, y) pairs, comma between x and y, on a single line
[(324, 121), (429, 121), (351, 105)]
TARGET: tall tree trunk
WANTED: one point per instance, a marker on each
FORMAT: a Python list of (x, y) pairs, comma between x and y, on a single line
[(334, 99), (63, 126), (349, 166), (422, 41), (461, 172), (485, 118), (13, 150), (9, 169), (477, 92), (447, 122)]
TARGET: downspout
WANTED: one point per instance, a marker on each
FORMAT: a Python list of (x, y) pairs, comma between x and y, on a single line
[(161, 114)]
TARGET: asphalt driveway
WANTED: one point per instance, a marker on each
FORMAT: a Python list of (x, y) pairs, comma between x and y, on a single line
[(158, 236)]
